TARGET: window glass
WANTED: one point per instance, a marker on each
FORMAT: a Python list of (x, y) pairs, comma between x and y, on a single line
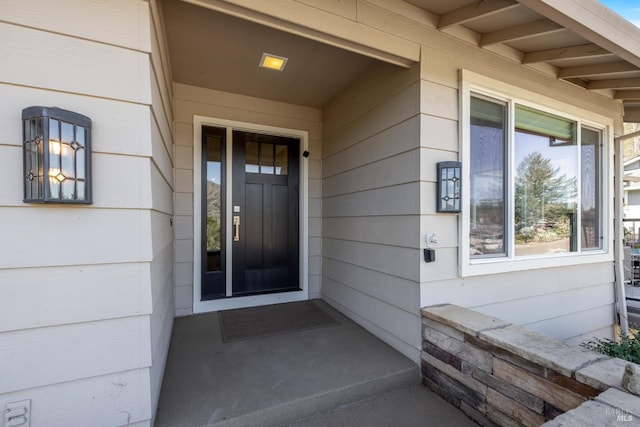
[(214, 201), (545, 198), (559, 129), (487, 178), (535, 182), (590, 174), (634, 197)]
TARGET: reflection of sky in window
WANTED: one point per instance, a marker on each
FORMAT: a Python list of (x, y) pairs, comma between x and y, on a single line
[(487, 163), (213, 172), (562, 157), (589, 177)]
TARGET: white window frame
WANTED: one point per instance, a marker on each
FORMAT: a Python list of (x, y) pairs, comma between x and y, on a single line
[(475, 83)]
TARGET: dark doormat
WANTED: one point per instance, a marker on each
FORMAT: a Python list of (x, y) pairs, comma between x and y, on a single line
[(255, 322)]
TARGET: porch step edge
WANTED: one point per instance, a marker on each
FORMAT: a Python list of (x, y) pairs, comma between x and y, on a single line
[(306, 407)]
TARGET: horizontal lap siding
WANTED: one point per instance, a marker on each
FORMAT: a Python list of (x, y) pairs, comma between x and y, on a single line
[(183, 217), (119, 71), (42, 236), (75, 280), (371, 205), (119, 399), (564, 302), (190, 101), (72, 352), (162, 187), (116, 124), (72, 294), (95, 20), (376, 284)]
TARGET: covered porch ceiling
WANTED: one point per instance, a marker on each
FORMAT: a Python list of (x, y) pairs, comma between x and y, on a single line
[(579, 41)]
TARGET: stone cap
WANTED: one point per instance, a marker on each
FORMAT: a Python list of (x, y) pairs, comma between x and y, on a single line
[(611, 408), (463, 319), (603, 374), (621, 400), (541, 348), (526, 343)]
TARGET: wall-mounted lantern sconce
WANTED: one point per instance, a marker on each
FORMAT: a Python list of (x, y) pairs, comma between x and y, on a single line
[(56, 156), (449, 187)]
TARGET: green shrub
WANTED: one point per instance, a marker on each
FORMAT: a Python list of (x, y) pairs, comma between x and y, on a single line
[(626, 348)]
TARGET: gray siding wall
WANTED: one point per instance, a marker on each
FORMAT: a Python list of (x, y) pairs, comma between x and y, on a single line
[(162, 187), (371, 205), (75, 281)]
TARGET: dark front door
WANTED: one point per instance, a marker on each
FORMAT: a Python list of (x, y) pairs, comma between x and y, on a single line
[(264, 216), (265, 209)]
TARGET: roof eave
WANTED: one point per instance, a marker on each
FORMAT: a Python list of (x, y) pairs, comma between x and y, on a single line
[(595, 22)]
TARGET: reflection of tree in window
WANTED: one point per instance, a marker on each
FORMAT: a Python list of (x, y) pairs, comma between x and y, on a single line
[(545, 183), (213, 216), (545, 195), (214, 202)]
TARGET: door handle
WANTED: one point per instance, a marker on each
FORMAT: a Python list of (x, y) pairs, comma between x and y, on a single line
[(236, 228)]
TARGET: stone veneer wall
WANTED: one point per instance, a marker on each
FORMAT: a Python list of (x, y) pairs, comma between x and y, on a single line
[(503, 374)]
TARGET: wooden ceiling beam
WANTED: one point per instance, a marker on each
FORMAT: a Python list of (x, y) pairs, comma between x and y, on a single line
[(570, 52), (614, 84), (632, 115), (597, 70), (519, 32), (473, 11), (627, 94)]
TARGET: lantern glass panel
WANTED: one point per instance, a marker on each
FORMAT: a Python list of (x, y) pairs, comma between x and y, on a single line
[(80, 135), (67, 132), (80, 167), (56, 156), (449, 182)]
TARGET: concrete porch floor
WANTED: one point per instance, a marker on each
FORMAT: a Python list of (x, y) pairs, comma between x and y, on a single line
[(335, 375)]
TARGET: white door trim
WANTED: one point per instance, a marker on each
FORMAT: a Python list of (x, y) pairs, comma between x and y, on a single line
[(254, 300)]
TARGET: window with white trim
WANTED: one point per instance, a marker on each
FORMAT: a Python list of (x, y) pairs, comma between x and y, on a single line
[(535, 182)]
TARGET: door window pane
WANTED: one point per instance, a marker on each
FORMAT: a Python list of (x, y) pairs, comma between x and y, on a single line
[(214, 202), (590, 172), (252, 157), (487, 178), (266, 158), (282, 160), (545, 192)]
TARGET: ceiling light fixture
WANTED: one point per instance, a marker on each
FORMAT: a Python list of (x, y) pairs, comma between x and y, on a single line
[(273, 62)]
